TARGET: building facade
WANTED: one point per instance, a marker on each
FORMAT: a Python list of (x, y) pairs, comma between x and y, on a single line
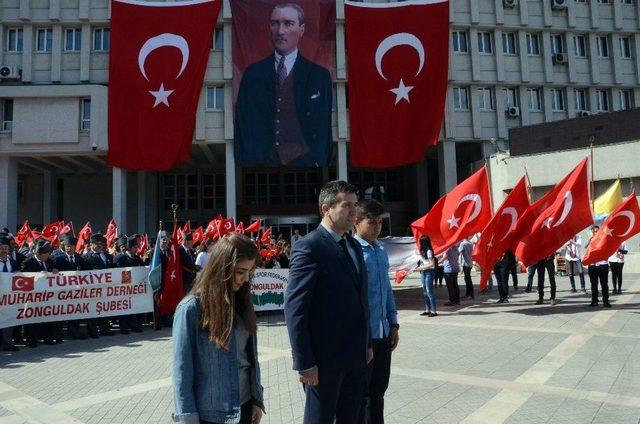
[(512, 63)]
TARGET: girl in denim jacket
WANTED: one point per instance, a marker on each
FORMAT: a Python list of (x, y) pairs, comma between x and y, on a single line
[(216, 376)]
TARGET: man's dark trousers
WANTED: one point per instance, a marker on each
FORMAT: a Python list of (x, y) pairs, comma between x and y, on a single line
[(378, 372), (549, 266), (467, 281), (335, 395), (599, 272), (451, 279)]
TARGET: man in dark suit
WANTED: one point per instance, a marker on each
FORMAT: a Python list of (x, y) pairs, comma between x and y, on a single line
[(327, 312), (125, 259), (97, 258), (69, 260), (7, 264), (188, 261), (40, 262), (283, 109)]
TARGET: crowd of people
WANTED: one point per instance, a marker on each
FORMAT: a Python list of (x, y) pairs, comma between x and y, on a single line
[(458, 257)]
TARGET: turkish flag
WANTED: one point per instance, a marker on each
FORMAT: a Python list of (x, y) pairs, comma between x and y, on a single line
[(555, 218), (112, 232), (621, 224), (52, 230), (398, 58), (83, 237), (173, 288), (198, 236), (401, 274), (21, 283), (226, 226), (68, 228), (254, 227), (143, 245), (266, 236), (462, 212), (240, 228), (186, 229), (157, 59), (497, 236), (24, 233), (212, 230)]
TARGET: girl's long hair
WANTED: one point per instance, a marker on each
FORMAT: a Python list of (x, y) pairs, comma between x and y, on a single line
[(425, 245), (214, 290)]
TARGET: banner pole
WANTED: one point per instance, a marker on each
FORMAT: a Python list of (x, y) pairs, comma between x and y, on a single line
[(526, 175), (486, 166), (593, 183)]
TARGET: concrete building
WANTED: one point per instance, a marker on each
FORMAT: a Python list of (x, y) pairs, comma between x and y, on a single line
[(513, 63)]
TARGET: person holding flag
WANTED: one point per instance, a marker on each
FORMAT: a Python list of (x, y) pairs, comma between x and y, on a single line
[(598, 272), (426, 266), (574, 265), (616, 263)]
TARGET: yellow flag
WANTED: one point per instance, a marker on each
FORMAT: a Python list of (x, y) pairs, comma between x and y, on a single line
[(609, 200)]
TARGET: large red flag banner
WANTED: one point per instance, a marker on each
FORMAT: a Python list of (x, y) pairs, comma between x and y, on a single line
[(398, 55), (497, 236), (622, 224), (158, 56), (173, 288), (462, 212), (555, 218)]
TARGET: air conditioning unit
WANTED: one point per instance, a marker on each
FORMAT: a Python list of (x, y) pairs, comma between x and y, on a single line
[(509, 3), (9, 72), (584, 113), (559, 58), (513, 112), (558, 4)]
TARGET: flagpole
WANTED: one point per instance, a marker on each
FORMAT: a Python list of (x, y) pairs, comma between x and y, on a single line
[(526, 175), (174, 209), (486, 165), (593, 183)]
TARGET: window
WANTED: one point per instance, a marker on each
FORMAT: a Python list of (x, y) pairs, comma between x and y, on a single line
[(215, 98), (627, 2), (43, 40), (534, 99), (101, 39), (181, 189), (283, 187), (7, 114), (72, 39), (460, 98), (510, 97), (459, 39), (509, 43), (218, 39), (557, 46), (14, 40), (603, 46), (603, 100), (579, 46), (213, 191), (625, 47), (580, 99), (484, 43), (533, 44), (485, 97), (625, 99), (605, 1), (557, 100), (85, 115), (383, 186)]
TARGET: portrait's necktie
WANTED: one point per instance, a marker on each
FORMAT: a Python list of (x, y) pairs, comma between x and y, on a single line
[(282, 71)]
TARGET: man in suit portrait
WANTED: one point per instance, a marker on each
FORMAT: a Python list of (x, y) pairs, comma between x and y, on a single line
[(327, 313), (283, 108)]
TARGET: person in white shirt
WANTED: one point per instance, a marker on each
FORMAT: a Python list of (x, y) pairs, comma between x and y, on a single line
[(204, 254), (574, 264), (599, 271), (616, 262)]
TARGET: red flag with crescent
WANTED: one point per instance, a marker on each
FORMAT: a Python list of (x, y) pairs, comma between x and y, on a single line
[(212, 230), (157, 59), (198, 236), (173, 287), (497, 236), (622, 224), (266, 236), (462, 212), (398, 56), (226, 226), (143, 246), (559, 215), (111, 233), (24, 233), (83, 237), (254, 227), (52, 230), (68, 228)]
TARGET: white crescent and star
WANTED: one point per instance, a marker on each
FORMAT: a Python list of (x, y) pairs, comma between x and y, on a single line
[(394, 40), (632, 222), (20, 283), (472, 197), (513, 213), (163, 40), (566, 208)]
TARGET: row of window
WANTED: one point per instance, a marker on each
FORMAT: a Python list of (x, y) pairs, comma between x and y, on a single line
[(533, 43), (7, 114), (73, 39), (533, 96)]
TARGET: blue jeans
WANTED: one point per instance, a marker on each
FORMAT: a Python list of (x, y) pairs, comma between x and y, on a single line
[(580, 270), (427, 287)]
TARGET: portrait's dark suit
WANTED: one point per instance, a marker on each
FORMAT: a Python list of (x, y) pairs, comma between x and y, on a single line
[(255, 138), (327, 315)]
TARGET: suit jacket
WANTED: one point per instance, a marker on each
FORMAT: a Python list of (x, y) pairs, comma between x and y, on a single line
[(19, 258), (94, 261), (122, 260), (15, 266), (32, 265), (188, 265), (326, 304), (254, 129), (62, 263)]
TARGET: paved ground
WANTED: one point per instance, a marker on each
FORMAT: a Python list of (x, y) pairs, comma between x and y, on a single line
[(481, 363)]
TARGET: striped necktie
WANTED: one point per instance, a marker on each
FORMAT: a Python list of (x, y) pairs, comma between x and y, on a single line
[(282, 71)]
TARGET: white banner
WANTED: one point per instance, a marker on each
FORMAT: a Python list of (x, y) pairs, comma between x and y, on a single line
[(267, 289), (32, 297)]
